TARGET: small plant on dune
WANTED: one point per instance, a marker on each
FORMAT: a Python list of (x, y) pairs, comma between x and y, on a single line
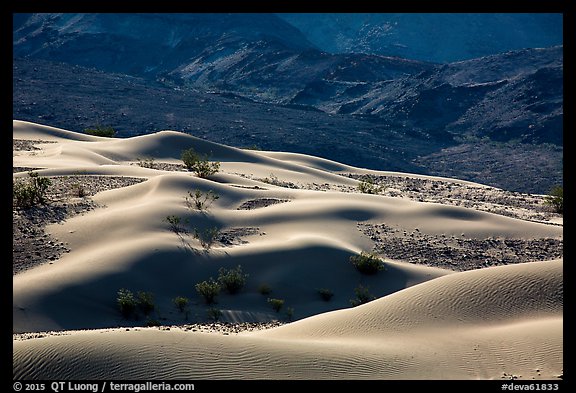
[(108, 132), (273, 179), (199, 163), (197, 200), (362, 296), (208, 289), (232, 280), (147, 163), (368, 186), (251, 147), (78, 190), (276, 304), (207, 237), (367, 263), (181, 303), (175, 223), (556, 199), (145, 302), (152, 322), (325, 294), (32, 192), (264, 289), (289, 313), (126, 302), (214, 314)]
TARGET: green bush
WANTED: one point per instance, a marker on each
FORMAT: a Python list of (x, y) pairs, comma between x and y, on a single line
[(362, 296), (145, 302), (108, 132), (368, 186), (197, 200), (556, 199), (23, 194), (276, 304), (30, 193), (290, 313), (325, 294), (367, 263), (264, 289), (126, 302), (208, 289), (207, 237), (175, 224), (152, 322), (214, 314), (78, 190), (199, 163), (232, 280), (181, 303)]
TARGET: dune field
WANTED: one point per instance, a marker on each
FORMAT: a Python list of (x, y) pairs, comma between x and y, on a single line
[(472, 286)]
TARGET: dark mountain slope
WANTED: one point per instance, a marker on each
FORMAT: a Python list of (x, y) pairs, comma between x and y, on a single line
[(75, 97), (143, 44), (435, 37)]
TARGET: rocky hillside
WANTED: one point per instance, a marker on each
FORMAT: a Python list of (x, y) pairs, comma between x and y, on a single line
[(363, 109), (439, 37)]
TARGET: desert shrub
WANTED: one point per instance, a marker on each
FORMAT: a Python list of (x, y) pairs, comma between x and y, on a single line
[(23, 194), (152, 322), (145, 302), (251, 147), (207, 237), (273, 179), (290, 313), (108, 132), (264, 289), (368, 186), (175, 223), (32, 192), (181, 303), (199, 163), (325, 294), (232, 280), (556, 199), (214, 314), (276, 304), (78, 190), (147, 163), (367, 263), (126, 302), (362, 296), (208, 289), (198, 200)]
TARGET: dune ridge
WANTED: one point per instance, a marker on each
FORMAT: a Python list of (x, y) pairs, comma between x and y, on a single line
[(426, 323)]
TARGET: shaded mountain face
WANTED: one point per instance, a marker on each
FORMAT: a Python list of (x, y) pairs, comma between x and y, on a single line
[(266, 73), (511, 96), (144, 44), (400, 113), (433, 37), (75, 98)]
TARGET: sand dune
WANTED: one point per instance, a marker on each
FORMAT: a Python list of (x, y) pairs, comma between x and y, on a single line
[(427, 323), (429, 331)]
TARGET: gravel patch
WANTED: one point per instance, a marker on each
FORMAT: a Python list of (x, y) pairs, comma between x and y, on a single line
[(523, 206), (67, 196), (260, 203), (223, 328), (27, 144), (458, 253)]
